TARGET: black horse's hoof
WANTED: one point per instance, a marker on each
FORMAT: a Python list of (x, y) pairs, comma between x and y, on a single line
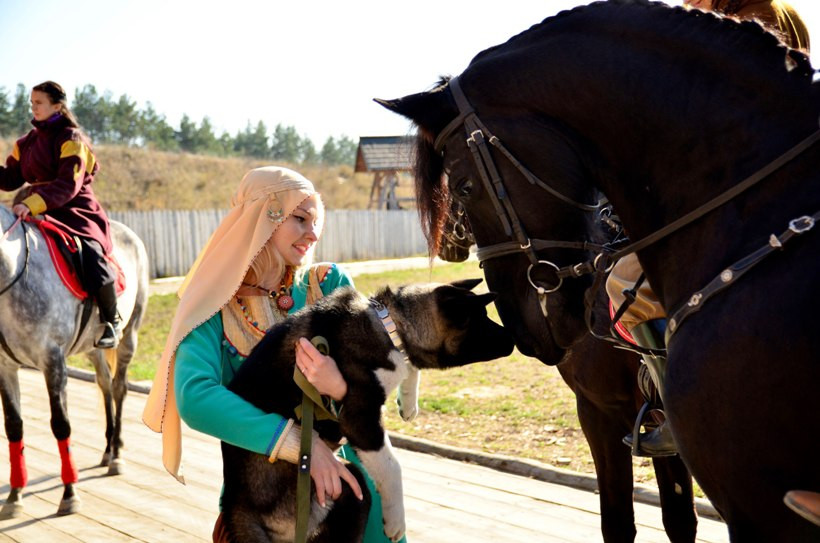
[(116, 466)]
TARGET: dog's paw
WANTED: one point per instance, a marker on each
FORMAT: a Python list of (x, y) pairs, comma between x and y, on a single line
[(407, 410), (394, 526)]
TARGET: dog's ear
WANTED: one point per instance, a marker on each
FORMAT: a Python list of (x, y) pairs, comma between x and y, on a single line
[(483, 299), (459, 305), (467, 284)]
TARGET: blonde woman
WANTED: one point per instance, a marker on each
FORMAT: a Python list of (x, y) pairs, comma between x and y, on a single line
[(254, 270)]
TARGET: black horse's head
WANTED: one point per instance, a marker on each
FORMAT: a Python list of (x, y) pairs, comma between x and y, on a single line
[(448, 179)]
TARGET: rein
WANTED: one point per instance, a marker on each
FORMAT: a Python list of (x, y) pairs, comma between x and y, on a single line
[(478, 136), (3, 343), (25, 261)]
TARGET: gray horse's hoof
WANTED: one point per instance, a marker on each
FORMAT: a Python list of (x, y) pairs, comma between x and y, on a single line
[(69, 506), (116, 467), (11, 509)]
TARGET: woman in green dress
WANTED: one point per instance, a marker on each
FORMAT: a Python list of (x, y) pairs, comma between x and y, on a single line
[(254, 271)]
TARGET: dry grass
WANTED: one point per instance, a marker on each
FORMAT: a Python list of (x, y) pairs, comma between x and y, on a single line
[(141, 179)]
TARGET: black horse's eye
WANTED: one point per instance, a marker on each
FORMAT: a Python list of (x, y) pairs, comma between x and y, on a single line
[(464, 188)]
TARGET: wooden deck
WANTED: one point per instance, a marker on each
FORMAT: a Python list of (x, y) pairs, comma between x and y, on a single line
[(445, 500)]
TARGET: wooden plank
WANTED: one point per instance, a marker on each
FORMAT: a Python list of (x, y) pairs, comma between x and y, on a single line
[(445, 500)]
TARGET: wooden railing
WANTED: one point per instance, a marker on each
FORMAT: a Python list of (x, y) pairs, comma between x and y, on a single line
[(174, 238)]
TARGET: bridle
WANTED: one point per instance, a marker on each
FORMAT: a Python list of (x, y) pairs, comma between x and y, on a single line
[(478, 137), (458, 234)]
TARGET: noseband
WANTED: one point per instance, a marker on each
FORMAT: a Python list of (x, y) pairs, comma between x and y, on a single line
[(478, 136)]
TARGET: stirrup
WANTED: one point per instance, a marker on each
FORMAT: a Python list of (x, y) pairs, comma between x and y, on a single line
[(656, 443), (109, 338)]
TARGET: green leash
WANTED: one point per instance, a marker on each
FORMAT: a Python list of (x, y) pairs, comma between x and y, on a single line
[(305, 444)]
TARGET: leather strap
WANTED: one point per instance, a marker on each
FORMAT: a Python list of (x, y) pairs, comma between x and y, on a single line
[(303, 467), (734, 272), (719, 200), (305, 445)]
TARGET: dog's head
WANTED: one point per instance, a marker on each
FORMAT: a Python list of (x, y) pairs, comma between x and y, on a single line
[(445, 326)]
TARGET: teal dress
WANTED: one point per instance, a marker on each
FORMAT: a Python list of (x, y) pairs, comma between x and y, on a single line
[(206, 363)]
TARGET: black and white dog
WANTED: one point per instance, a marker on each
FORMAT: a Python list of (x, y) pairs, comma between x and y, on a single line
[(441, 326)]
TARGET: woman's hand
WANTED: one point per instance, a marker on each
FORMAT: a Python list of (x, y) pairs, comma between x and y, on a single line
[(320, 370), (21, 210), (327, 472)]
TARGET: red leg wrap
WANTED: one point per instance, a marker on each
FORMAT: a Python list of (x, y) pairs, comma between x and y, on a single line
[(69, 471), (19, 475)]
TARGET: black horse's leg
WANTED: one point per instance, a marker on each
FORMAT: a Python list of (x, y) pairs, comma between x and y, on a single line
[(10, 393), (677, 499), (56, 378), (603, 380), (613, 468)]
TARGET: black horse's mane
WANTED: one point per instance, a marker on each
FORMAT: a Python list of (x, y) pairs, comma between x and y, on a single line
[(745, 39)]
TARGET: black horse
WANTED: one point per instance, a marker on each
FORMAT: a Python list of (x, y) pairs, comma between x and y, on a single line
[(662, 109), (605, 383)]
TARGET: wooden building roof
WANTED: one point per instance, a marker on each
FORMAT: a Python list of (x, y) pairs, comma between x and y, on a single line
[(382, 153)]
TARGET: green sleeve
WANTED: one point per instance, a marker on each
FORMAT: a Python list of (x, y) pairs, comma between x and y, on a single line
[(336, 277), (207, 406)]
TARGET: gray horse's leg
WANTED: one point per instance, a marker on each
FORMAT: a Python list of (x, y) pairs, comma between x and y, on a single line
[(125, 352), (103, 374), (56, 379), (10, 393)]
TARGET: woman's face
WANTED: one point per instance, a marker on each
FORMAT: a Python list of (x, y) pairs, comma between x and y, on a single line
[(41, 106), (299, 232)]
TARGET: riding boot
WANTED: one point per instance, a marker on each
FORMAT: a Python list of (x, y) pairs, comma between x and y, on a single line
[(658, 442), (107, 302), (804, 503)]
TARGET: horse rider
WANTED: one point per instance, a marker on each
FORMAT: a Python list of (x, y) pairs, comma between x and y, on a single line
[(56, 159)]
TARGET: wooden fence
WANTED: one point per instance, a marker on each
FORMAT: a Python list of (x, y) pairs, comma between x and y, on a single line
[(174, 238)]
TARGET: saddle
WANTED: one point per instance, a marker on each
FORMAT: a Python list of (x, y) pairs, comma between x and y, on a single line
[(65, 254)]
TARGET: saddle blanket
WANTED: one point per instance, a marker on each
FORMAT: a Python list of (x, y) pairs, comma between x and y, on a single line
[(54, 235), (620, 328)]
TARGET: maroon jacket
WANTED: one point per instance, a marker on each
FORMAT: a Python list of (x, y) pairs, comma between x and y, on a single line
[(57, 161)]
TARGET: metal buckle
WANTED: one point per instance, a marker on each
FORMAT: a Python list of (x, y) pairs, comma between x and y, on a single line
[(577, 269), (596, 261), (542, 290), (801, 224)]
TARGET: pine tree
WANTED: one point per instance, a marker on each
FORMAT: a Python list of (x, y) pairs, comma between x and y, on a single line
[(186, 135), (21, 111), (286, 144), (5, 114)]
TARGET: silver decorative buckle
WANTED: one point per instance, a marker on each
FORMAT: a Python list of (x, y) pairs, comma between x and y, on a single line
[(801, 224)]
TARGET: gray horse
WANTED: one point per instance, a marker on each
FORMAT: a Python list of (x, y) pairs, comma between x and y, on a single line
[(42, 323)]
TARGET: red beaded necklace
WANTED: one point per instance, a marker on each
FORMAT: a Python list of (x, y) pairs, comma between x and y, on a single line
[(284, 301)]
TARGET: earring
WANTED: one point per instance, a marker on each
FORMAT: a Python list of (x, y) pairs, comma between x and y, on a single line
[(276, 216)]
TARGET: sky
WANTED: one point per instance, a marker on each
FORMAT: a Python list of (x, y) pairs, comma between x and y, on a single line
[(312, 64)]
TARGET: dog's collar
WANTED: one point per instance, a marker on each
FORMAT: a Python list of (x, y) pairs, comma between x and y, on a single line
[(389, 326)]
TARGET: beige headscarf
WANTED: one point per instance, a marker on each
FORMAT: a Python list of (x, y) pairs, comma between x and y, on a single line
[(264, 199)]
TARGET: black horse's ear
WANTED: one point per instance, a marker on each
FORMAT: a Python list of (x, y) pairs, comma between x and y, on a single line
[(466, 284), (425, 109)]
